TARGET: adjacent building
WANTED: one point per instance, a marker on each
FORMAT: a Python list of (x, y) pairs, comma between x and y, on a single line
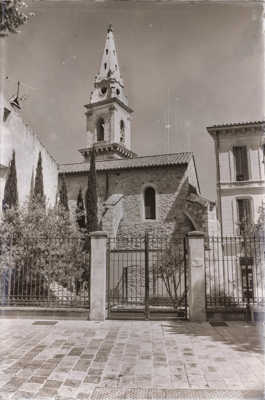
[(17, 136), (239, 150)]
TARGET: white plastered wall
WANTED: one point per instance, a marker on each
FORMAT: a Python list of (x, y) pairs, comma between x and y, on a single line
[(15, 135)]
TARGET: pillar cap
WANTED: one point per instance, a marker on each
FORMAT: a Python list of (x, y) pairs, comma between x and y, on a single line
[(98, 234), (196, 234)]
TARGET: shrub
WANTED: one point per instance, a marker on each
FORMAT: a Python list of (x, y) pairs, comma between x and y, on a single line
[(43, 242)]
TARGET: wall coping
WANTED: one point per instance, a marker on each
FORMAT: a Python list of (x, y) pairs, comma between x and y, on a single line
[(98, 234), (196, 234)]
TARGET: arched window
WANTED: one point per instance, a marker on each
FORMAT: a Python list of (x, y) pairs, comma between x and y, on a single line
[(122, 131), (150, 203), (100, 129)]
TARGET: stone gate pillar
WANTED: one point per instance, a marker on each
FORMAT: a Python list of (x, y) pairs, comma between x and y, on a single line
[(98, 276), (196, 266)]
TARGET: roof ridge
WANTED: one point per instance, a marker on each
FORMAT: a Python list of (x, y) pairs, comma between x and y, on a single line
[(159, 160), (134, 158), (166, 154)]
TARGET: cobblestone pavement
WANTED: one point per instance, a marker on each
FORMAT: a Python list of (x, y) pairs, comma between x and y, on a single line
[(130, 360)]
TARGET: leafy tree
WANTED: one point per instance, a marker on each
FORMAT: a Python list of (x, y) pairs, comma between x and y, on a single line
[(248, 228), (80, 211), (168, 271), (91, 196), (42, 253), (38, 193), (63, 196), (260, 226), (11, 16), (10, 192)]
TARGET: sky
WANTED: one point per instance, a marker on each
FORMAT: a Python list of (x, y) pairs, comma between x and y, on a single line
[(187, 66)]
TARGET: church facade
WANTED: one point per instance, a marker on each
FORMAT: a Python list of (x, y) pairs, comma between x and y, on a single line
[(159, 193)]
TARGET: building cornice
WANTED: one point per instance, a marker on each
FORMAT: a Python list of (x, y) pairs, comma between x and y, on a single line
[(90, 106), (108, 148), (242, 185), (240, 127)]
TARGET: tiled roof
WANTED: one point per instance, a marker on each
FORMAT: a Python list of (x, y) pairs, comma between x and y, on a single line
[(137, 162), (3, 166), (236, 124)]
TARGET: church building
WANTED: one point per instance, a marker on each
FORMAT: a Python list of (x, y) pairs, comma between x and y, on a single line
[(159, 193)]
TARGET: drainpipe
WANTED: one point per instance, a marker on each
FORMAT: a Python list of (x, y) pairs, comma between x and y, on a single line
[(106, 186), (217, 148)]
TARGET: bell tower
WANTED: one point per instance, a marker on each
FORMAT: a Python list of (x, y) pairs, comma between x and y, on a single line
[(108, 116)]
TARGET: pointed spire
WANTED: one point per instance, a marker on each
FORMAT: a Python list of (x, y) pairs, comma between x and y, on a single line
[(108, 82), (109, 67)]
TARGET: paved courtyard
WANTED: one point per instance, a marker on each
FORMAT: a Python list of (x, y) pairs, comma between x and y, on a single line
[(130, 360)]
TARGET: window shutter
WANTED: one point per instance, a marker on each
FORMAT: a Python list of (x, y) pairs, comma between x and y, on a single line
[(244, 162), (241, 163)]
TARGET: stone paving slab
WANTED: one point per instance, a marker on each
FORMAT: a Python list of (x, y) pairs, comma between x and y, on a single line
[(130, 360), (176, 394)]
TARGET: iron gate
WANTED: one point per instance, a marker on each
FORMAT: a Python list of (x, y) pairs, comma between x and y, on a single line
[(147, 278)]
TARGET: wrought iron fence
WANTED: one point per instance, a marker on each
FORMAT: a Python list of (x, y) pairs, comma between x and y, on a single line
[(47, 272), (147, 273), (234, 271)]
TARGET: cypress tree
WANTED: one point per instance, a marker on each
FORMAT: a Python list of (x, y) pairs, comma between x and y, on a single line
[(63, 196), (80, 211), (10, 192), (91, 196), (31, 192), (38, 193)]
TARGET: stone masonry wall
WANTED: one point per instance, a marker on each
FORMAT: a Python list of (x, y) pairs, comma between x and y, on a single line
[(171, 201)]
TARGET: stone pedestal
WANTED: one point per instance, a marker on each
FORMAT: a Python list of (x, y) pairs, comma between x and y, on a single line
[(98, 276), (197, 301)]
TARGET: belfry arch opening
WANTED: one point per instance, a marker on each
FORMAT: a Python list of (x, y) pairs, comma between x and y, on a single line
[(100, 130), (122, 131)]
